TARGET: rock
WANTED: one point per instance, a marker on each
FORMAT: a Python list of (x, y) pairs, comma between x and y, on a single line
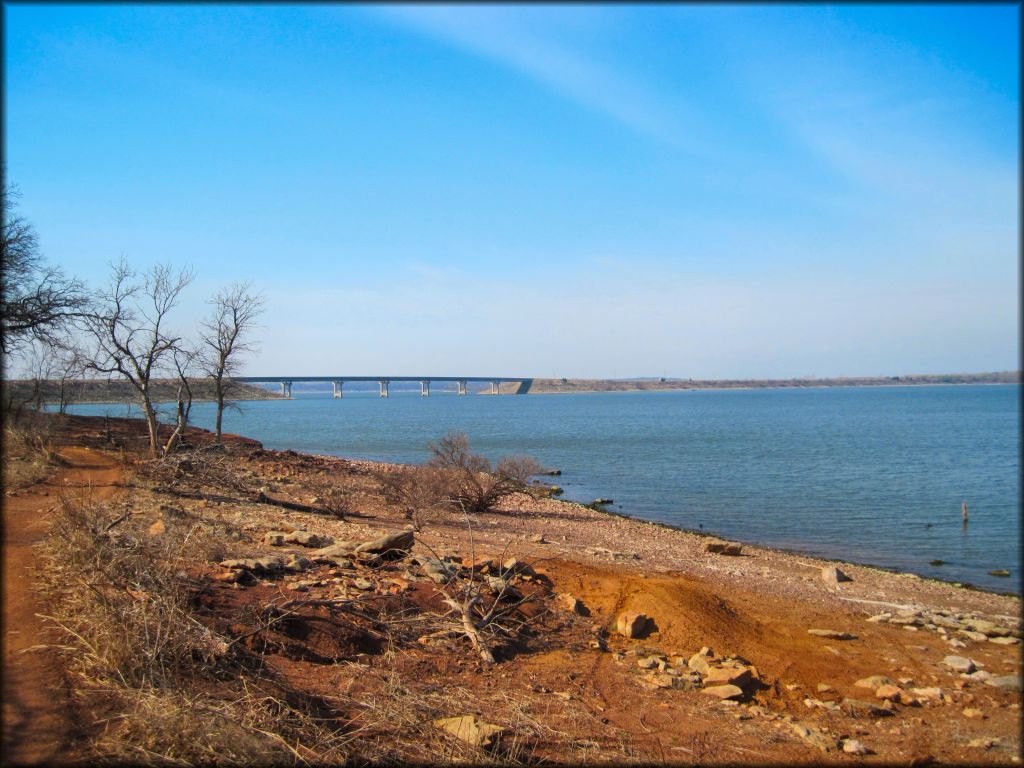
[(363, 584), (813, 737), (932, 694), (512, 565), (539, 539), (568, 603), (733, 550), (854, 747), (299, 586), (832, 575), (647, 662), (874, 682), (832, 634), (999, 572), (890, 693), (661, 680), (989, 628), (723, 691), (858, 708), (1005, 682), (726, 676), (255, 565), (715, 546), (479, 565), (631, 625), (880, 617), (824, 688), (959, 664), (338, 549), (231, 577), (970, 634), (157, 528), (399, 541), (274, 538), (297, 563), (307, 539), (983, 743), (699, 663), (437, 571), (974, 714), (981, 675), (471, 730), (1004, 640)]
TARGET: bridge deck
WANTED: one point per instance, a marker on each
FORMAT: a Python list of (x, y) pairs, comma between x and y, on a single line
[(273, 379)]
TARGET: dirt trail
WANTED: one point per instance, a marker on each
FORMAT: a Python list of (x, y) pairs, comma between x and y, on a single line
[(39, 724)]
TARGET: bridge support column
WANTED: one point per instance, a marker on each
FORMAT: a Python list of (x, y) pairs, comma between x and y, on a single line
[(286, 389), (384, 387), (425, 388), (494, 387), (336, 387), (462, 387)]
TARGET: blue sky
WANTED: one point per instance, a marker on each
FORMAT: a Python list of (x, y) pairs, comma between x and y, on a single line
[(694, 190)]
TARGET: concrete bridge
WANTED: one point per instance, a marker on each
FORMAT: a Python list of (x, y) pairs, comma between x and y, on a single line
[(338, 382)]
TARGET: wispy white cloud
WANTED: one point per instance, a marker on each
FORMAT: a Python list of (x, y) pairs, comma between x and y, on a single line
[(527, 40)]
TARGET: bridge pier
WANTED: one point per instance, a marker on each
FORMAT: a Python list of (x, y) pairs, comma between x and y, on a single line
[(462, 386), (384, 387), (336, 387), (494, 387), (286, 389), (425, 388)]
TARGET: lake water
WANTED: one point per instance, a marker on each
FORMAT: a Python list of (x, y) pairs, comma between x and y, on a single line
[(873, 475)]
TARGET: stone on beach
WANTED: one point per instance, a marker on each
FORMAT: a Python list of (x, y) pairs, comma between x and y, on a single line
[(725, 675), (723, 691), (854, 747), (631, 625), (1005, 682), (874, 682), (307, 539), (832, 575), (832, 634), (699, 663), (400, 540), (959, 664), (813, 737), (470, 729)]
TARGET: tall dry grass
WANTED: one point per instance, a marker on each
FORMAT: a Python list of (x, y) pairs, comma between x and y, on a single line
[(163, 688)]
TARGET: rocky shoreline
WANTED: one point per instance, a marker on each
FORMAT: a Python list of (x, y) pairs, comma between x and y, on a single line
[(584, 636)]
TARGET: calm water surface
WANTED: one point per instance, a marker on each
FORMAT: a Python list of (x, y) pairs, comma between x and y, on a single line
[(873, 475)]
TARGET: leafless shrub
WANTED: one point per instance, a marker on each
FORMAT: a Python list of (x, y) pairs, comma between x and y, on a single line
[(484, 610), (415, 491), (472, 482), (202, 468)]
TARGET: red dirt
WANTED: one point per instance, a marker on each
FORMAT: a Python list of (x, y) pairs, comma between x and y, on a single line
[(39, 720), (593, 706)]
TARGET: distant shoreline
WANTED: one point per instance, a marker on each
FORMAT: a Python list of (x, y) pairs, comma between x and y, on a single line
[(569, 386)]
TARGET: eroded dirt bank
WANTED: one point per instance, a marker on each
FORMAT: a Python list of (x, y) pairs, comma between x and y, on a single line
[(353, 629)]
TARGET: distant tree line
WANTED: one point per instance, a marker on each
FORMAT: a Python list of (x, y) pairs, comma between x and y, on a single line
[(61, 331)]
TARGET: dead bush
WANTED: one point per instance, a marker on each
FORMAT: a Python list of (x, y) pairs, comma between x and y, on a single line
[(472, 483), (416, 492)]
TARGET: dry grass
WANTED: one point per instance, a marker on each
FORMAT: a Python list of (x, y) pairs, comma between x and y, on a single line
[(29, 455), (164, 687)]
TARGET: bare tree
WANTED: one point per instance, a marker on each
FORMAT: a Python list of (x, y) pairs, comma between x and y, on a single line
[(127, 326), (473, 484), (234, 314), (183, 358), (38, 301)]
